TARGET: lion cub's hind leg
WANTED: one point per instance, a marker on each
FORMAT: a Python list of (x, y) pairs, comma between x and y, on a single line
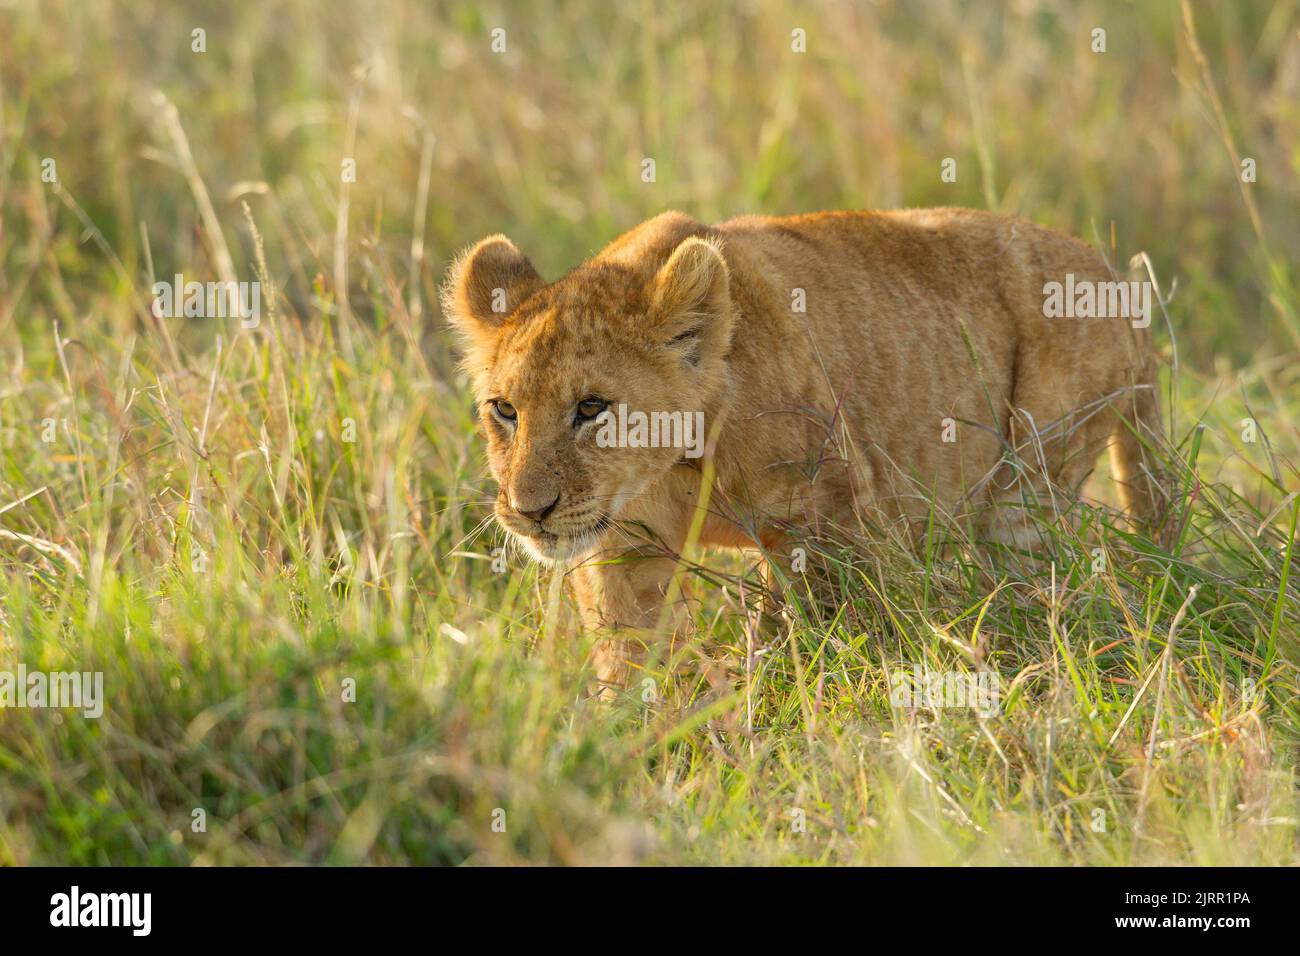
[(1058, 432)]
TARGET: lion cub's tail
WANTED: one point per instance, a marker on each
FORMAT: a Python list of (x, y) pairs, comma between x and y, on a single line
[(1134, 448)]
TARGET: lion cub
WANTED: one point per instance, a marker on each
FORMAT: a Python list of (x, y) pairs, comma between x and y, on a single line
[(844, 366)]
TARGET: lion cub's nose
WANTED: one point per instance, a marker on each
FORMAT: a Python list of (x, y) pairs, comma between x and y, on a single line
[(537, 514)]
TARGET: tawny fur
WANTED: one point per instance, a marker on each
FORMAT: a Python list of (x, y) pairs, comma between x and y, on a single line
[(821, 416)]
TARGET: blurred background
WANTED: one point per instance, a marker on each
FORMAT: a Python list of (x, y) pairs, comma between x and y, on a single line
[(545, 140)]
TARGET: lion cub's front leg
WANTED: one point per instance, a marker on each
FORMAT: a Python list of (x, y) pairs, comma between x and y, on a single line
[(622, 596)]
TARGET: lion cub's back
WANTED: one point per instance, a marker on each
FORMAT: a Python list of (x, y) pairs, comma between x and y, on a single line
[(918, 317), (927, 285)]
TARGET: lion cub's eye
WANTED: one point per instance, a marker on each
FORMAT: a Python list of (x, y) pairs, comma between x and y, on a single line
[(504, 410), (589, 408)]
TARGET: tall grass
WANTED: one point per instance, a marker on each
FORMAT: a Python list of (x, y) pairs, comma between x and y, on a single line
[(199, 528)]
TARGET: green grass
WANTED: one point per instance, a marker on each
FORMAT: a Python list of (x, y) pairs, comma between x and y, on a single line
[(199, 530)]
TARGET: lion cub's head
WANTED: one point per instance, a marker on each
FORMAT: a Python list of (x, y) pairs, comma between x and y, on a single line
[(563, 374)]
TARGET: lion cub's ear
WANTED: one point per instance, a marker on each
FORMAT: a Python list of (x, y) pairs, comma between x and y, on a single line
[(484, 285), (691, 300)]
